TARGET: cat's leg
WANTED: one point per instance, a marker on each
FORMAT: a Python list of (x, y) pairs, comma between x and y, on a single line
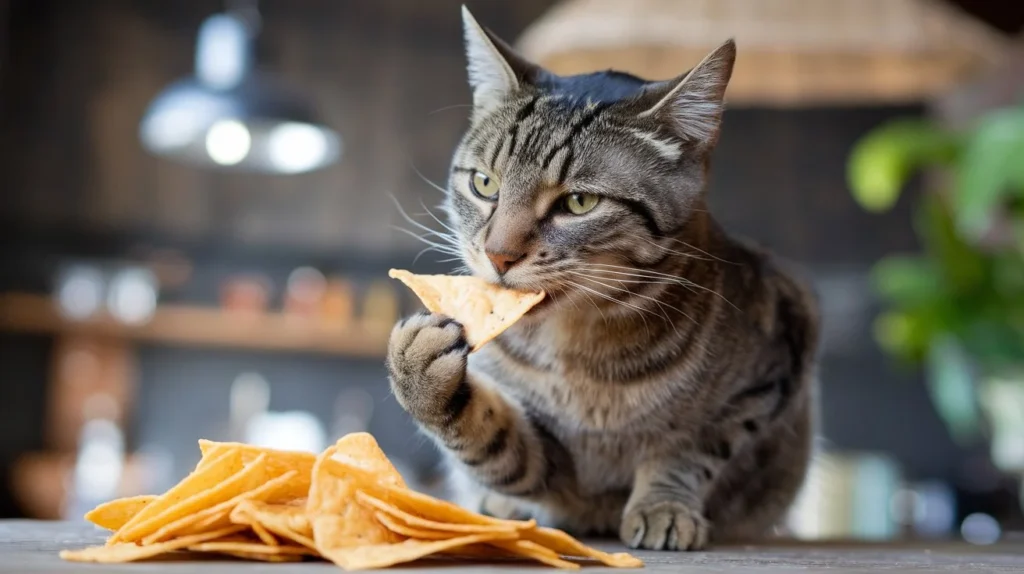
[(486, 432), (665, 508)]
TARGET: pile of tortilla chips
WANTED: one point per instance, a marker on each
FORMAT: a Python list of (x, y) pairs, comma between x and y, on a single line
[(348, 505)]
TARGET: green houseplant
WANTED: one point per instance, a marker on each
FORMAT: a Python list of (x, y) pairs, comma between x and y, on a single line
[(957, 307)]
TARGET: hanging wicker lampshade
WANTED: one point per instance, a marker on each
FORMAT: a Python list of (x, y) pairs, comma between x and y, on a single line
[(791, 52)]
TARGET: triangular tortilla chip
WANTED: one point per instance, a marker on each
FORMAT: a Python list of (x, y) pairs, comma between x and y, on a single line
[(375, 556), (222, 467), (116, 513), (130, 552), (361, 450), (485, 310)]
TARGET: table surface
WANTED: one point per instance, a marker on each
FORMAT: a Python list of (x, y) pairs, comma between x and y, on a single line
[(32, 546)]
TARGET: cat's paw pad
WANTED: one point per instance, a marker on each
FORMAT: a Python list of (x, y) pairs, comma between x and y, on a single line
[(664, 525), (426, 362)]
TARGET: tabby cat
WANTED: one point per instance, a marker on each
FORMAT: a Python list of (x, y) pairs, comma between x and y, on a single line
[(664, 390)]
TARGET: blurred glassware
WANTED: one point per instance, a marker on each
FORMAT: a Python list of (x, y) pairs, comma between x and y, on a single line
[(847, 496), (246, 294), (934, 510), (353, 411), (99, 467), (338, 302), (380, 306), (249, 397), (304, 292), (289, 430), (80, 291), (981, 529), (230, 116), (252, 422), (132, 295)]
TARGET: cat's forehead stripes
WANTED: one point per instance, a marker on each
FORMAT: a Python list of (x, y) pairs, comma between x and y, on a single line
[(542, 133)]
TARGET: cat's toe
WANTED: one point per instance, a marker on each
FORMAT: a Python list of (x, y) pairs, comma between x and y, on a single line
[(664, 525)]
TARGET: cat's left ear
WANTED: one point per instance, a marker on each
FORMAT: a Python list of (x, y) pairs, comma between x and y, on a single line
[(495, 70), (692, 105)]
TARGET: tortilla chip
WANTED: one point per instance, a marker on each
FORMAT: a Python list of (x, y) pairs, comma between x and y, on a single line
[(332, 507), (403, 529), (248, 478), (248, 547), (261, 532), (218, 516), (286, 521), (278, 462), (384, 555), (116, 513), (482, 551), (485, 310), (566, 545), (417, 522), (534, 551), (254, 556), (222, 467), (361, 450), (129, 552), (414, 502)]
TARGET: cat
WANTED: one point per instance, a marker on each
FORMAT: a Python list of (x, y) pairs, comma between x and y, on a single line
[(664, 391)]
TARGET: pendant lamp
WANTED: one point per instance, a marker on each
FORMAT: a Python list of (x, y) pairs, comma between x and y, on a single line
[(790, 52), (231, 116)]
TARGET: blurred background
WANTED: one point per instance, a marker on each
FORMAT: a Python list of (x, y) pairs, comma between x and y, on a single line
[(198, 211)]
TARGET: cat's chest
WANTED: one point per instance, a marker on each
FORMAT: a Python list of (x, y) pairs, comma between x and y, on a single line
[(602, 462), (534, 372)]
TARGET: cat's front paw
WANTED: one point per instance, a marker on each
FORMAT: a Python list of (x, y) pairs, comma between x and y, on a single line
[(427, 366), (664, 525)]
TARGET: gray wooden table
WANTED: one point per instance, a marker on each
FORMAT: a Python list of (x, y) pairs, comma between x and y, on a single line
[(30, 546)]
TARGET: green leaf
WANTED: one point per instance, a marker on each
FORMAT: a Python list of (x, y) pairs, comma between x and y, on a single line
[(907, 280), (882, 161), (962, 266), (951, 382), (992, 169)]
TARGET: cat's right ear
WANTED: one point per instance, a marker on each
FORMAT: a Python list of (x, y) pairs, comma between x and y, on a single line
[(495, 70), (692, 105)]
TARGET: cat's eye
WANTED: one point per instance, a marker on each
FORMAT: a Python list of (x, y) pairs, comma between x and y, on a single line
[(580, 203), (483, 185)]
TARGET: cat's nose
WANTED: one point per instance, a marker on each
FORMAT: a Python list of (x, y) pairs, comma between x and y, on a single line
[(504, 260)]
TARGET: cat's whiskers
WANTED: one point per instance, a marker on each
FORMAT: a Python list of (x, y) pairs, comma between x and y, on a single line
[(451, 107), (639, 276), (620, 302), (701, 251), (672, 251), (427, 180), (449, 248), (445, 243), (438, 220), (593, 303), (654, 275), (660, 304)]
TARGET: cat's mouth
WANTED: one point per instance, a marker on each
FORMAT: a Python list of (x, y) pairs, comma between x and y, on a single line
[(544, 304)]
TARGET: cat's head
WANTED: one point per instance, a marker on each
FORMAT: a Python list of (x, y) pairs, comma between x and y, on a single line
[(558, 176)]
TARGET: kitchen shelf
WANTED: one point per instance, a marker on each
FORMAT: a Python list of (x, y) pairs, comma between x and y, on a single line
[(197, 326)]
